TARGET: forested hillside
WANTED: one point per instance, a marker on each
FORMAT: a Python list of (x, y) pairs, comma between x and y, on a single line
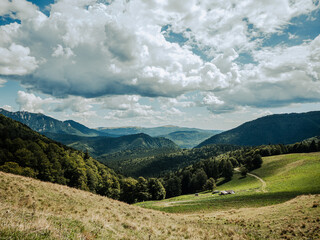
[(273, 129), (26, 152), (154, 163), (206, 173), (98, 146)]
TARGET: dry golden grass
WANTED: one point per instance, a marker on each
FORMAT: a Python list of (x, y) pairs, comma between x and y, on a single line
[(298, 218), (39, 210), (30, 209)]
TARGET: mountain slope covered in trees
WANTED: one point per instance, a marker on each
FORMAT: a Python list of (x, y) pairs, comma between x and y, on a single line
[(42, 123), (182, 136), (273, 129), (98, 146), (156, 163), (26, 152)]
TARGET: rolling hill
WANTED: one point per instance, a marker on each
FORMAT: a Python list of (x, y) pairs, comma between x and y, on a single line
[(273, 129), (105, 145), (42, 123), (26, 152), (283, 177), (156, 163), (182, 136), (31, 209)]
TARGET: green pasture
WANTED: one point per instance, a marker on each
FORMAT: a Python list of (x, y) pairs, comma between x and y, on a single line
[(286, 176)]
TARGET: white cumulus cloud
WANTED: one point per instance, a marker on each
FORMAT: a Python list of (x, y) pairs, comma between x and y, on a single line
[(15, 60), (32, 103), (121, 52)]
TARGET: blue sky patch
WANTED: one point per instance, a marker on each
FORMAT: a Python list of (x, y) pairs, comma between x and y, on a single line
[(43, 5), (6, 19)]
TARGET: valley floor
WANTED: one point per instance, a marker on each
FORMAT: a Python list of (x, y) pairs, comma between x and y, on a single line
[(31, 209)]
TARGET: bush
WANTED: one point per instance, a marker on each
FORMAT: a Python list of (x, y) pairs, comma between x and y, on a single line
[(210, 184), (243, 171)]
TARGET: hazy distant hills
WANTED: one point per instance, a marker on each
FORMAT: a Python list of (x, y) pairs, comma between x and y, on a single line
[(105, 145), (184, 137), (153, 132), (273, 129), (189, 139), (42, 123)]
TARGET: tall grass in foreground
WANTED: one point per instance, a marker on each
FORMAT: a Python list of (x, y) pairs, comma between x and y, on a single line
[(30, 209)]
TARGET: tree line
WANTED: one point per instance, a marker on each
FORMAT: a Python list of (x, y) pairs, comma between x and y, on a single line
[(157, 163), (204, 174)]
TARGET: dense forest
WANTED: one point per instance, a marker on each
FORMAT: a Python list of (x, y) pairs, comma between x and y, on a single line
[(25, 152), (205, 174), (102, 145), (157, 162)]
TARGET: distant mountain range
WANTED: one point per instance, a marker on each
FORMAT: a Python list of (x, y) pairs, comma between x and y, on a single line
[(98, 146), (190, 139), (182, 136), (154, 131), (83, 138), (42, 123), (273, 129)]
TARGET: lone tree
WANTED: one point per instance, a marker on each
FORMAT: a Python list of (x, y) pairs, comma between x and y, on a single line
[(210, 184)]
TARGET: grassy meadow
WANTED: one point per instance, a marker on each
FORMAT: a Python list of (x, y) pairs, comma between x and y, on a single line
[(286, 176), (31, 209)]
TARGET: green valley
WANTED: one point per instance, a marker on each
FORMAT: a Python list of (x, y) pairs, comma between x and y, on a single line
[(286, 176)]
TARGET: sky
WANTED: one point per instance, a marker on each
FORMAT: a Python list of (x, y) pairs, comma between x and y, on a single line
[(192, 63)]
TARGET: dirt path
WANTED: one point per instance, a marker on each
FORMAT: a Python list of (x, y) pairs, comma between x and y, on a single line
[(170, 204), (264, 184)]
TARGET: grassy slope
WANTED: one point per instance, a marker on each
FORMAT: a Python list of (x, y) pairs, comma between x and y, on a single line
[(287, 176), (30, 209)]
